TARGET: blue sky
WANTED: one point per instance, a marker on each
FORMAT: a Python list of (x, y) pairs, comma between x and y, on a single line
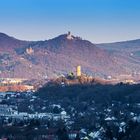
[(95, 20)]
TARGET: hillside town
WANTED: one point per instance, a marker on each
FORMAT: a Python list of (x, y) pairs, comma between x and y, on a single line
[(64, 110)]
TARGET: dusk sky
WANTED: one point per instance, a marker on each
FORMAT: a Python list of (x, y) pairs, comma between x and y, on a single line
[(94, 20)]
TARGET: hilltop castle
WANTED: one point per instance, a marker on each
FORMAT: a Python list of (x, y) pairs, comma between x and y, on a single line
[(69, 36)]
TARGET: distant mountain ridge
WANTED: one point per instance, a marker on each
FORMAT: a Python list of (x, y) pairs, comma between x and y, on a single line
[(130, 44), (61, 55), (8, 42)]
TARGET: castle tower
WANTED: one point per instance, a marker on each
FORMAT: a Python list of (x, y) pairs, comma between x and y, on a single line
[(78, 71), (69, 33)]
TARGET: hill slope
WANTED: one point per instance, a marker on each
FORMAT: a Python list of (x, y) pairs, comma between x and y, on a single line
[(127, 53), (51, 58)]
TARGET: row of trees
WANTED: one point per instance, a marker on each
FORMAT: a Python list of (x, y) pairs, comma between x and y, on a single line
[(101, 93)]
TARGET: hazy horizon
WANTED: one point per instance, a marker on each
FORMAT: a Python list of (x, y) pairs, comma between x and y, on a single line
[(99, 21)]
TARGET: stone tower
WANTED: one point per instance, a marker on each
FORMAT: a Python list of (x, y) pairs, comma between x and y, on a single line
[(78, 71)]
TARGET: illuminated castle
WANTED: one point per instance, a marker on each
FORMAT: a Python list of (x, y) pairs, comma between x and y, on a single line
[(78, 71)]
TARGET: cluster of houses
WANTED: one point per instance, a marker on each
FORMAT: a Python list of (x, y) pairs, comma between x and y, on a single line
[(12, 107), (6, 81)]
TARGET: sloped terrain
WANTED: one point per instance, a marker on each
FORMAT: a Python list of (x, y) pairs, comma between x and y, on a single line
[(126, 53), (57, 56)]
